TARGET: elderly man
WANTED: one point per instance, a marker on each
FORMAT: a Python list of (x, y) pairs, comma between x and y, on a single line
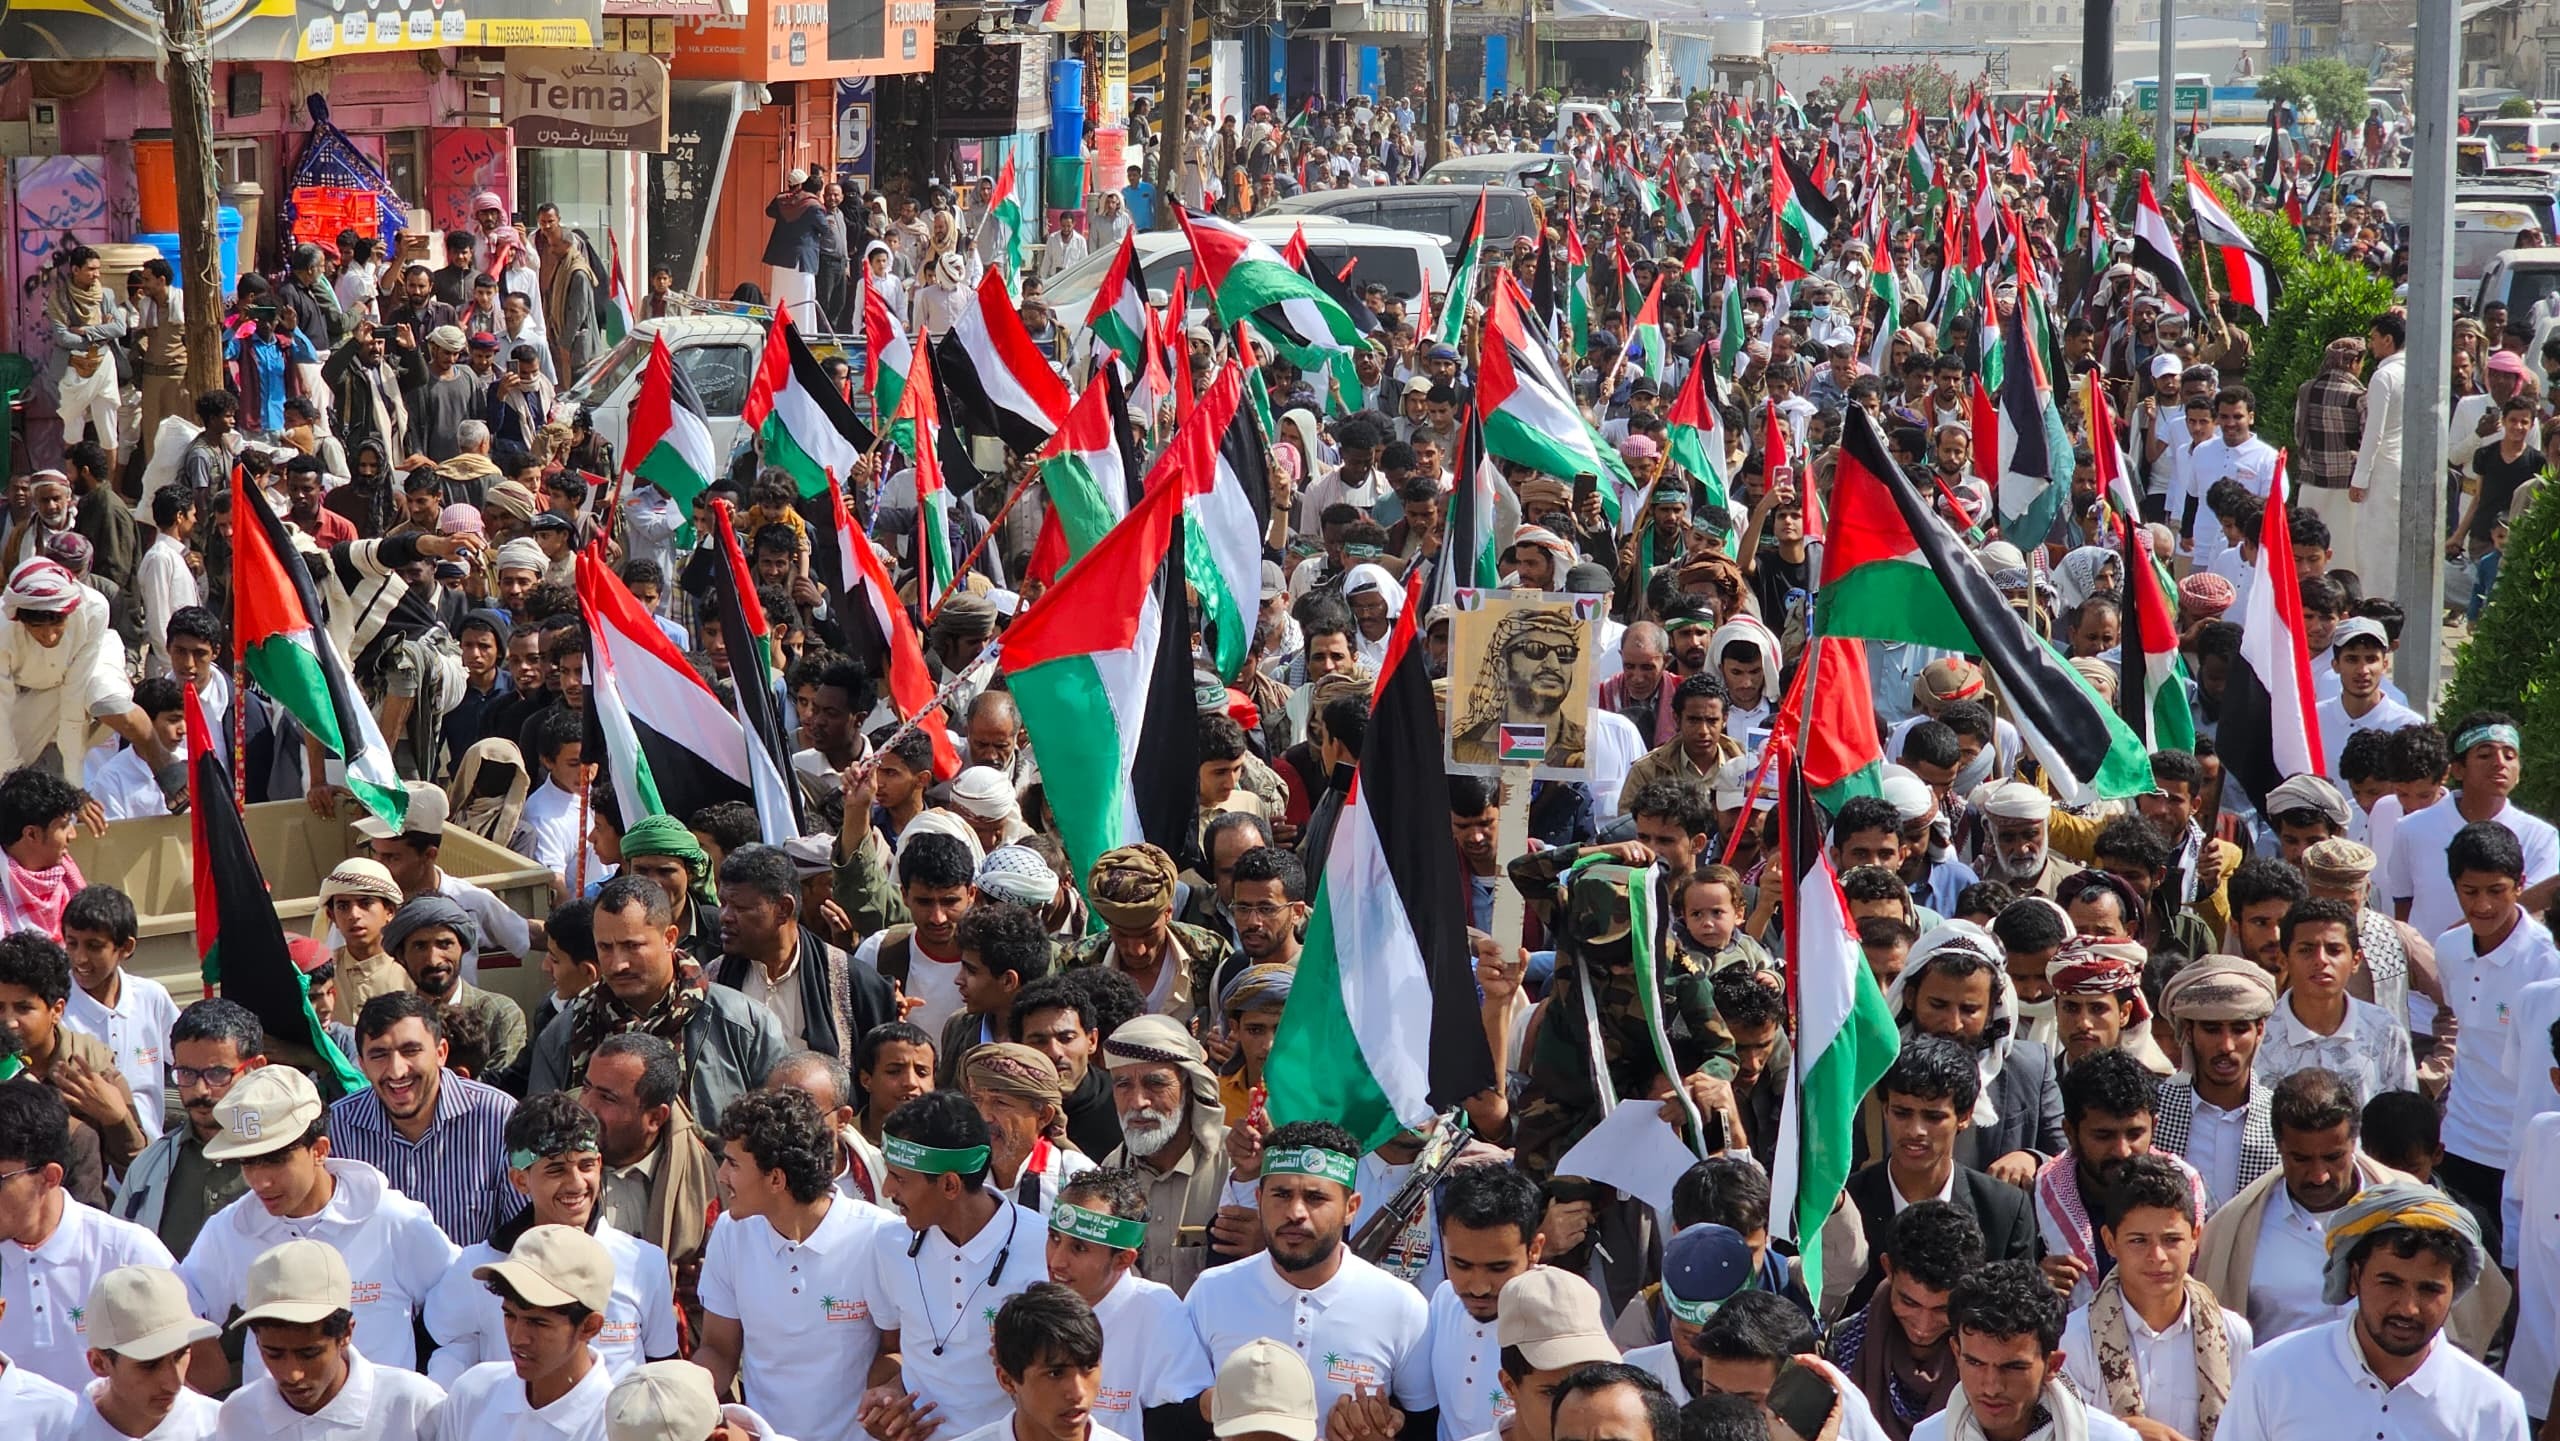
[(2016, 849), (1174, 966), (1640, 691), (1173, 1135), (435, 941), (2215, 1113), (1022, 1098)]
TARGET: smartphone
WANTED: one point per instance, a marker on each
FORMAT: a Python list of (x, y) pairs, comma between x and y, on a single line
[(1802, 1401)]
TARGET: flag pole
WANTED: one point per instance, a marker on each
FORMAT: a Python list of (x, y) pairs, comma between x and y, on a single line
[(960, 569)]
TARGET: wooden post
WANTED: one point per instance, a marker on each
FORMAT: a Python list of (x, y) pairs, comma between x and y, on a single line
[(1510, 831), (199, 239), (1173, 112)]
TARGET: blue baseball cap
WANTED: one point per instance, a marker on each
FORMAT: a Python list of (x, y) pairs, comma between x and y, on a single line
[(1702, 1268)]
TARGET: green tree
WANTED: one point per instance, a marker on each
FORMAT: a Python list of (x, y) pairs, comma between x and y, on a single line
[(2330, 85), (1931, 85), (2508, 663), (2324, 298), (2515, 108)]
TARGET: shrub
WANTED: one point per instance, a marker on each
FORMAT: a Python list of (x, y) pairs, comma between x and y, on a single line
[(2515, 108), (2335, 87), (2325, 297), (2509, 663)]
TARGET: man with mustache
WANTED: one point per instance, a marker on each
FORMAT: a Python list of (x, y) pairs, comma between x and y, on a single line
[(2107, 1107), (1173, 1136), (2214, 1113), (173, 1186), (2016, 848), (439, 1137)]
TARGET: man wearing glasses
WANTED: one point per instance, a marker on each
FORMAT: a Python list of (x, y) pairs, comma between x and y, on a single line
[(172, 1187)]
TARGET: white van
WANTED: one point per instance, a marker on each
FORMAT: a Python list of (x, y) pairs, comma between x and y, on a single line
[(2482, 231), (2521, 278), (2222, 142), (717, 352)]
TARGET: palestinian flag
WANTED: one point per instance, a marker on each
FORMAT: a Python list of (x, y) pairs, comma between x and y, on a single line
[(2155, 248), (1000, 380), (1916, 161), (1645, 336), (1101, 670), (1693, 268), (670, 441), (1226, 510), (1382, 1030), (1462, 280), (1783, 101), (2270, 728), (1732, 329), (1471, 553), (1837, 747), (1527, 408), (616, 313), (1894, 570), (1087, 482), (1845, 1034), (1695, 429), (2014, 453), (1363, 319), (1577, 288), (1798, 239), (877, 629), (1885, 286), (1008, 213), (239, 937), (279, 640), (1248, 280), (1862, 114), (886, 359), (751, 689), (1117, 321), (934, 554), (800, 421), (2246, 277), (670, 747)]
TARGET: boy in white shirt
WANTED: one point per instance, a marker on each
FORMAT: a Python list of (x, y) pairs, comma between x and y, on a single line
[(1151, 1358), (314, 1384), (2360, 650), (555, 1285), (552, 828), (2180, 1340), (130, 1014), (121, 781), (140, 1339), (2317, 1023), (2486, 963), (1048, 1354), (55, 1248)]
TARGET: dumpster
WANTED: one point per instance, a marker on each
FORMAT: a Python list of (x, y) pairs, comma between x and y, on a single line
[(153, 861)]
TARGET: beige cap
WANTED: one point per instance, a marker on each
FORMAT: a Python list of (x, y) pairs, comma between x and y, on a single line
[(555, 1266), (662, 1401), (141, 1312), (1553, 1316), (427, 811), (1264, 1386), (266, 1110), (300, 1283)]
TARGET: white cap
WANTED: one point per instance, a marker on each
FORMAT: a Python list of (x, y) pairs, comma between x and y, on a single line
[(555, 1266), (662, 1401), (2359, 627), (300, 1283), (265, 1111), (1553, 1316), (1264, 1386), (141, 1312), (1909, 794), (427, 811)]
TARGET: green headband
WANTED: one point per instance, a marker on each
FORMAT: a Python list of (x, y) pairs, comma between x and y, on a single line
[(1101, 1227), (2481, 735), (1311, 1161), (909, 1155), (1696, 1313)]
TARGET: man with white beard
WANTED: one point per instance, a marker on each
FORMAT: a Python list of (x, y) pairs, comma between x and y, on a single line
[(1173, 1134), (2015, 847)]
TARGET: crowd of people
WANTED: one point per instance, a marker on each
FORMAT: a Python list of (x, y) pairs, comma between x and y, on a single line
[(2214, 1117)]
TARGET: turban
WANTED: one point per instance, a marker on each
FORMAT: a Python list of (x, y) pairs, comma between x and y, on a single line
[(1548, 541), (939, 822), (521, 554), (359, 878), (448, 337), (42, 586), (2398, 1206), (2207, 593), (1009, 1068), (71, 550), (1257, 988), (459, 519), (507, 502), (2309, 793), (432, 909), (982, 792), (1746, 628), (1133, 886), (963, 613), (1639, 447), (2016, 801), (664, 836), (2100, 675), (1017, 874), (1544, 490), (1720, 571), (2080, 572), (1908, 794), (1161, 1041), (2087, 966), (2337, 863), (2219, 988), (2001, 555)]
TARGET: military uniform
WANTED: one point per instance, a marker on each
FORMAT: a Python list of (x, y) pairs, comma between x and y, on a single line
[(1197, 957)]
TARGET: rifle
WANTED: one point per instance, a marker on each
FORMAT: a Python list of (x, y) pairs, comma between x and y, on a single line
[(1439, 1152)]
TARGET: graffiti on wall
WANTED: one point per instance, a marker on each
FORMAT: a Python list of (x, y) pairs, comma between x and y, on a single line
[(461, 164), (58, 201)]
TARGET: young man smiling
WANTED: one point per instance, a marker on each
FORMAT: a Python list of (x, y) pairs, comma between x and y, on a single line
[(554, 1287), (439, 1137)]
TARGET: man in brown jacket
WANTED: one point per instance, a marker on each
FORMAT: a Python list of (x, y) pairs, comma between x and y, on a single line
[(660, 1176)]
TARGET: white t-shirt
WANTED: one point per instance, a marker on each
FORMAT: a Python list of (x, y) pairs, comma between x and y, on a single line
[(489, 1400), (942, 1302), (1150, 1354), (2533, 1188), (1361, 1328), (935, 983), (391, 1244), (2416, 872), (2316, 1386), (469, 1326), (45, 1327), (804, 1308), (2479, 1109), (137, 1031), (2336, 725)]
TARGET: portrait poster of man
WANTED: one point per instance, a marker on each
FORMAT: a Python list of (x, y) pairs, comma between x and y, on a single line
[(1520, 683)]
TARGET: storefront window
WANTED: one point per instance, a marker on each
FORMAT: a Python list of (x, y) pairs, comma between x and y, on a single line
[(575, 180)]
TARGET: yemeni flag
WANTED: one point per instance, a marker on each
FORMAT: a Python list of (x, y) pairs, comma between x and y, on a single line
[(1226, 510), (2155, 248), (1087, 480), (934, 553), (2246, 276), (1528, 411), (670, 441), (1695, 429), (616, 316), (1117, 320), (1000, 380), (1894, 570), (2270, 728), (1645, 336), (239, 937), (1100, 668), (801, 423), (1008, 213), (1249, 281), (886, 359), (1462, 280), (671, 748), (877, 629), (279, 641), (1799, 238), (1845, 1034), (1382, 1030)]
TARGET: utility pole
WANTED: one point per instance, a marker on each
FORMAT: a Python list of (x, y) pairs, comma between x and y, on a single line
[(2097, 55), (199, 242), (1173, 113), (2419, 666), (2164, 96), (1435, 129)]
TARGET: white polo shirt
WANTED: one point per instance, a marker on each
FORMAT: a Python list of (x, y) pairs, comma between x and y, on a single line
[(2413, 868), (1001, 1429), (2336, 725), (378, 1403), (46, 1289), (2164, 1362), (945, 1296), (1362, 1328), (137, 1032), (2529, 1061), (392, 1246), (489, 1400), (2533, 1189), (2479, 1110), (1466, 1362), (191, 1418), (30, 1401), (804, 1310), (469, 1325), (2285, 1277), (2315, 1386), (1150, 1354)]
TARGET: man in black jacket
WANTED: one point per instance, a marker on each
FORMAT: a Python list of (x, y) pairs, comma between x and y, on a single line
[(823, 1000), (1928, 1099), (1956, 985)]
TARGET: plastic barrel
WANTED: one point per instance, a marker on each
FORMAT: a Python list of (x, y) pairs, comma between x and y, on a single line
[(227, 225), (155, 178), (1066, 108)]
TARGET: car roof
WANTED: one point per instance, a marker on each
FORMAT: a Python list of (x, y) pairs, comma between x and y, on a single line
[(2537, 255), (1307, 200)]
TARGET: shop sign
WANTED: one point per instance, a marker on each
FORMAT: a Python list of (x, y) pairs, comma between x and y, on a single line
[(1114, 108), (988, 90), (856, 114), (684, 181), (807, 40), (130, 30), (366, 27), (673, 9), (586, 100)]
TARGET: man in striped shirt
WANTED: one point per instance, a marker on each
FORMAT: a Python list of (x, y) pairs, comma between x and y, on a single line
[(439, 1137)]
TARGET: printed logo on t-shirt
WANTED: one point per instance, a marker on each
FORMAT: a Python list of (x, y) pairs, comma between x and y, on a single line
[(366, 1293), (618, 1333), (1349, 1371), (841, 1308), (1114, 1400), (80, 1319)]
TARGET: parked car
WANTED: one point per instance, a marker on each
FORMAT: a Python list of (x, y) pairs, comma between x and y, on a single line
[(1516, 170), (2483, 230), (1442, 210), (2523, 140), (1401, 260), (717, 350), (2522, 278)]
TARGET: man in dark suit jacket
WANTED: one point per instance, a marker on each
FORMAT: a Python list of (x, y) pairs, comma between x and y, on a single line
[(1928, 1101), (1955, 985)]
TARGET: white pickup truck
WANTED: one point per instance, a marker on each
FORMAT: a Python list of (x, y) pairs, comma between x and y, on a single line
[(717, 349)]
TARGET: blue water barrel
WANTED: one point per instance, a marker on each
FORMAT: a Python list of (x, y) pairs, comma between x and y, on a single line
[(1066, 107), (227, 226)]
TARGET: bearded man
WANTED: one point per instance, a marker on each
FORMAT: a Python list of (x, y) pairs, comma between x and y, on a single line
[(2017, 845), (1173, 1135)]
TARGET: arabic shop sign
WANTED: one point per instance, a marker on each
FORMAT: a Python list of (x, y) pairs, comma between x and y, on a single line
[(586, 99)]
